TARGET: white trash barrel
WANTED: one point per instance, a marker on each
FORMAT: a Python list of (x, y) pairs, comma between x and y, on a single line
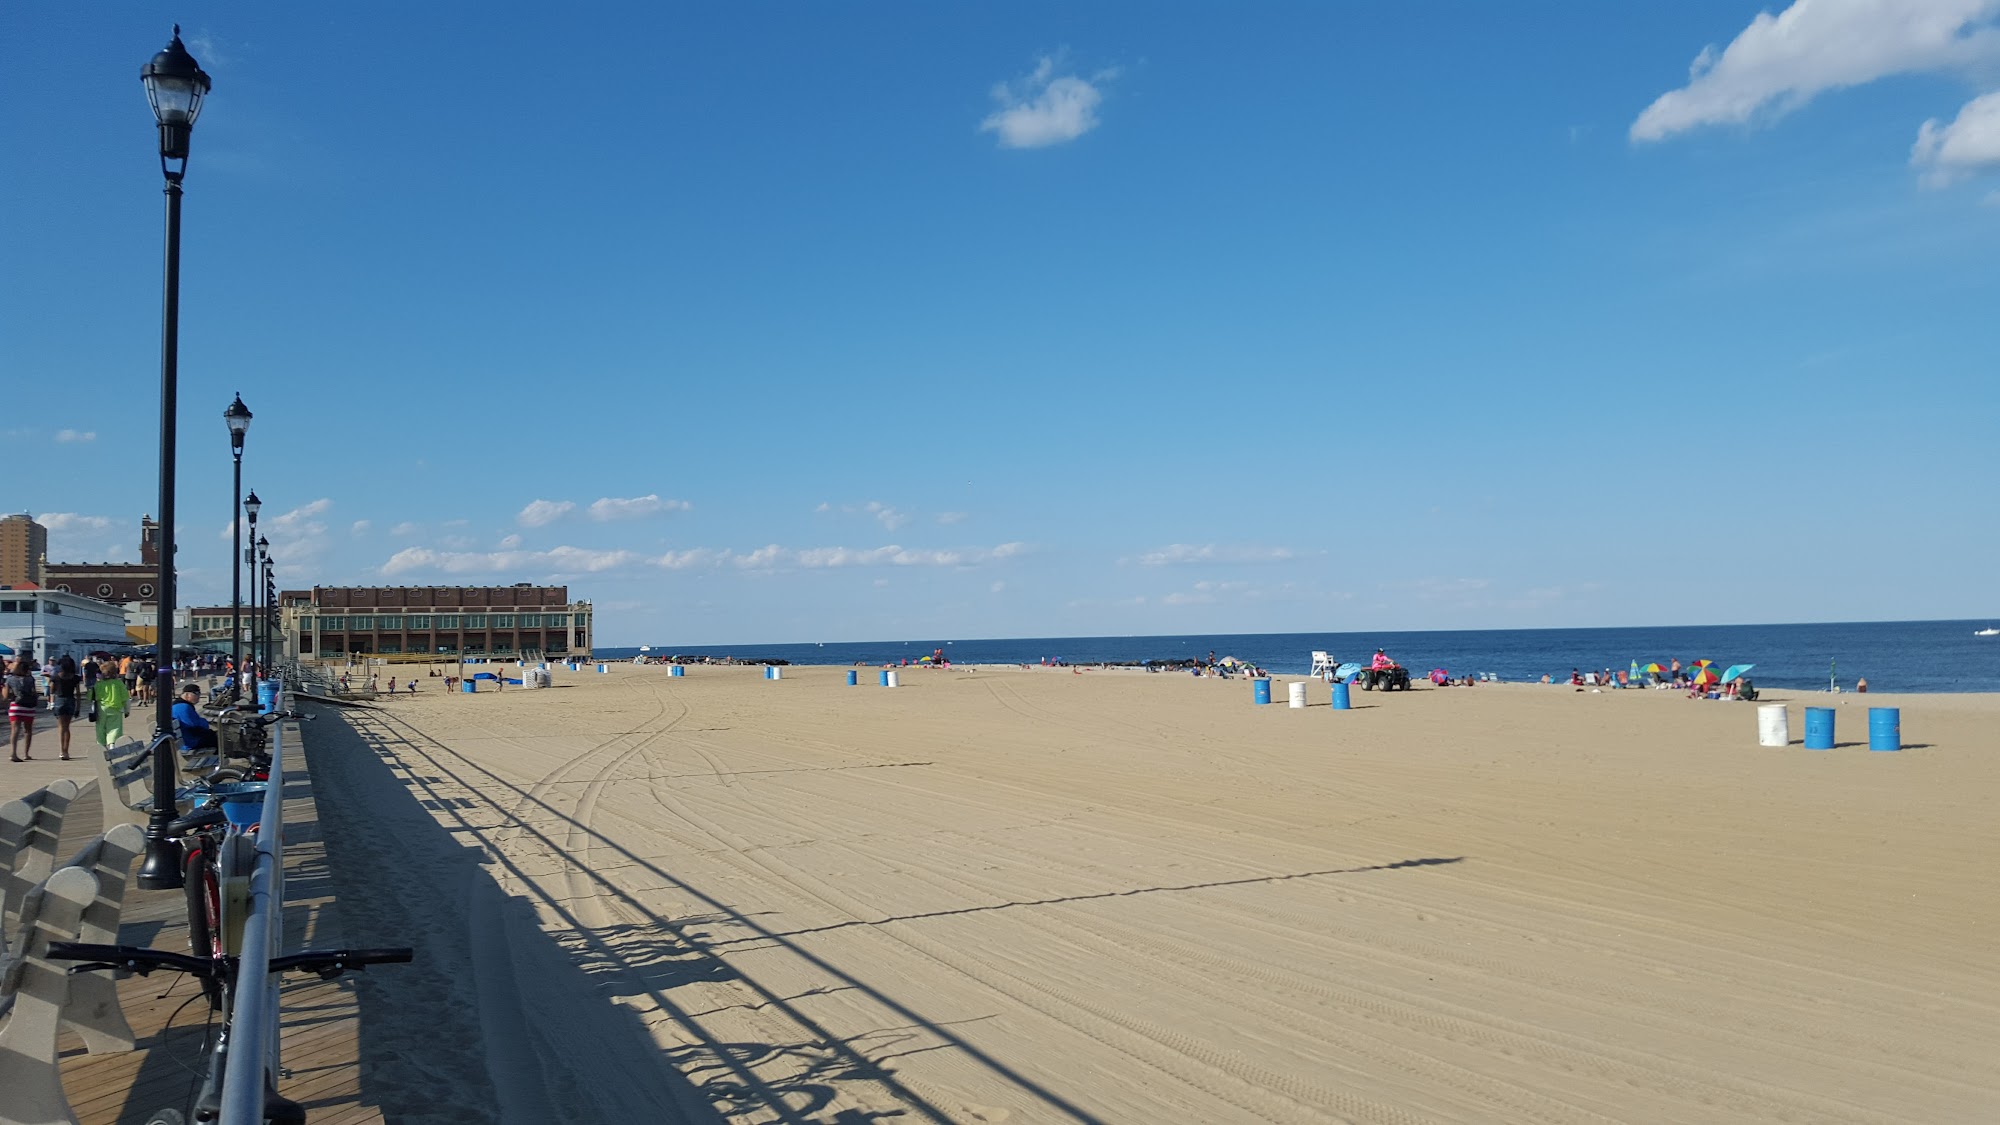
[(1773, 727), (1298, 694), (894, 679)]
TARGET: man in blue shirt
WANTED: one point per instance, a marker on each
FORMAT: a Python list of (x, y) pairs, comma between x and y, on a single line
[(194, 730)]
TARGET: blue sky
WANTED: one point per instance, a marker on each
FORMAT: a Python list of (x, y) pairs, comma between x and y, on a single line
[(760, 323)]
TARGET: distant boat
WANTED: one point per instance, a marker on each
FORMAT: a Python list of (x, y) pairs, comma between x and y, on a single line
[(1989, 631)]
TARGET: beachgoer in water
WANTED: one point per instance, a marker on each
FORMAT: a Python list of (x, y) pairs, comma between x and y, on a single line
[(1862, 685)]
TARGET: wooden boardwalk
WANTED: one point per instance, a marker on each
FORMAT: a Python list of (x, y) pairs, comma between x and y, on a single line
[(321, 1044)]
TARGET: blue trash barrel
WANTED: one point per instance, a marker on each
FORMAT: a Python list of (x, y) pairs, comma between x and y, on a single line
[(604, 668), (1885, 728), (1260, 691), (267, 695), (1340, 702), (677, 670), (885, 677), (1819, 728), (469, 687), (853, 677)]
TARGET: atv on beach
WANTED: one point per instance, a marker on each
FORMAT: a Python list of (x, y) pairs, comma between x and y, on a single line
[(1393, 678)]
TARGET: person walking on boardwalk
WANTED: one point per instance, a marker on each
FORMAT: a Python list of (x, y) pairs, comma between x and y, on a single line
[(19, 691), (110, 697), (65, 689)]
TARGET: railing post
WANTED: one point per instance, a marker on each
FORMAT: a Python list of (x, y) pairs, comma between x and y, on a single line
[(252, 1066)]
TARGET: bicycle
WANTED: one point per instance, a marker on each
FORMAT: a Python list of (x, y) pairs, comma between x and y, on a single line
[(206, 1106)]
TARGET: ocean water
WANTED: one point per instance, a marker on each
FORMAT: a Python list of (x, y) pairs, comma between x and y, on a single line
[(1892, 655)]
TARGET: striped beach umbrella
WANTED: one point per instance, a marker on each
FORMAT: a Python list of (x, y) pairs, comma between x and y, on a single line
[(1654, 668), (1706, 676)]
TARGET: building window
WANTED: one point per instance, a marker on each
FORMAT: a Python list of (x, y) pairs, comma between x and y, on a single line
[(475, 621), (104, 589), (388, 623), (530, 620), (65, 588), (329, 623), (53, 607), (555, 620), (447, 621), (359, 624), (503, 621), (419, 623), (146, 590)]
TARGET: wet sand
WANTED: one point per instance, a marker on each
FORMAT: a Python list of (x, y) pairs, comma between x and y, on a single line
[(1004, 895)]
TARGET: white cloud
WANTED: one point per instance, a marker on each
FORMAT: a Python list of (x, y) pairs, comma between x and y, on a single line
[(541, 513), (406, 528), (888, 517), (951, 517), (1203, 593), (510, 542), (301, 518), (298, 536), (638, 507), (1178, 553), (70, 521), (997, 587), (76, 435), (774, 557), (361, 527), (1971, 143), (1042, 109), (1781, 62), (556, 560)]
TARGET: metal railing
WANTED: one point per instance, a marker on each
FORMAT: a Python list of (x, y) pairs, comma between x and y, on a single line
[(251, 1066)]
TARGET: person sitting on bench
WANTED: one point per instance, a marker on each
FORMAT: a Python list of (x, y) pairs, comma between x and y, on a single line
[(194, 731)]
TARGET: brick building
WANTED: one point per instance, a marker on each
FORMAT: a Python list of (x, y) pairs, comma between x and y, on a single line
[(24, 550), (518, 620), (123, 583)]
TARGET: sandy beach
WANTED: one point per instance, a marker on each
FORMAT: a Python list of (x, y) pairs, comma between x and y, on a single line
[(1039, 896)]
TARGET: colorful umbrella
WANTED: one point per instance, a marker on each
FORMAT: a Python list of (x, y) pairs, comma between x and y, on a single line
[(1736, 670), (1705, 676), (1701, 664), (1655, 668)]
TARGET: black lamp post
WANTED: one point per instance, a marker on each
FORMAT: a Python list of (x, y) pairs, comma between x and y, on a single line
[(251, 506), (264, 580), (175, 85), (270, 616), (238, 417)]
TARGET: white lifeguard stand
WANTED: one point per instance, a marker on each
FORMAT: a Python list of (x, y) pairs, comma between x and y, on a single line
[(1323, 665)]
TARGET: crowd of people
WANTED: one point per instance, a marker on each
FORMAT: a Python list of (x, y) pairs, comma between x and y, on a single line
[(101, 689)]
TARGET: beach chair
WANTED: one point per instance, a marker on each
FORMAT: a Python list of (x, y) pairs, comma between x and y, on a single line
[(1323, 665)]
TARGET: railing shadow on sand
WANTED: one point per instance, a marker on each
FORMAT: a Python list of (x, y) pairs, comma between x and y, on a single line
[(657, 953)]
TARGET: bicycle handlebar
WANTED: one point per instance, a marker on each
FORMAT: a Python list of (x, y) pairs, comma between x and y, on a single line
[(325, 962), (132, 957), (328, 962)]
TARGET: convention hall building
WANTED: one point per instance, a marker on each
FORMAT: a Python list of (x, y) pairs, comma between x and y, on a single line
[(333, 622)]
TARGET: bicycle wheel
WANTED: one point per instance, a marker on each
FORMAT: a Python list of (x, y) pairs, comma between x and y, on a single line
[(204, 913)]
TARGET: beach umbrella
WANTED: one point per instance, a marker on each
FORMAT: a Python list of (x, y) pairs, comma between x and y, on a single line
[(1345, 670), (1736, 670), (1705, 676), (1701, 664), (1655, 668)]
